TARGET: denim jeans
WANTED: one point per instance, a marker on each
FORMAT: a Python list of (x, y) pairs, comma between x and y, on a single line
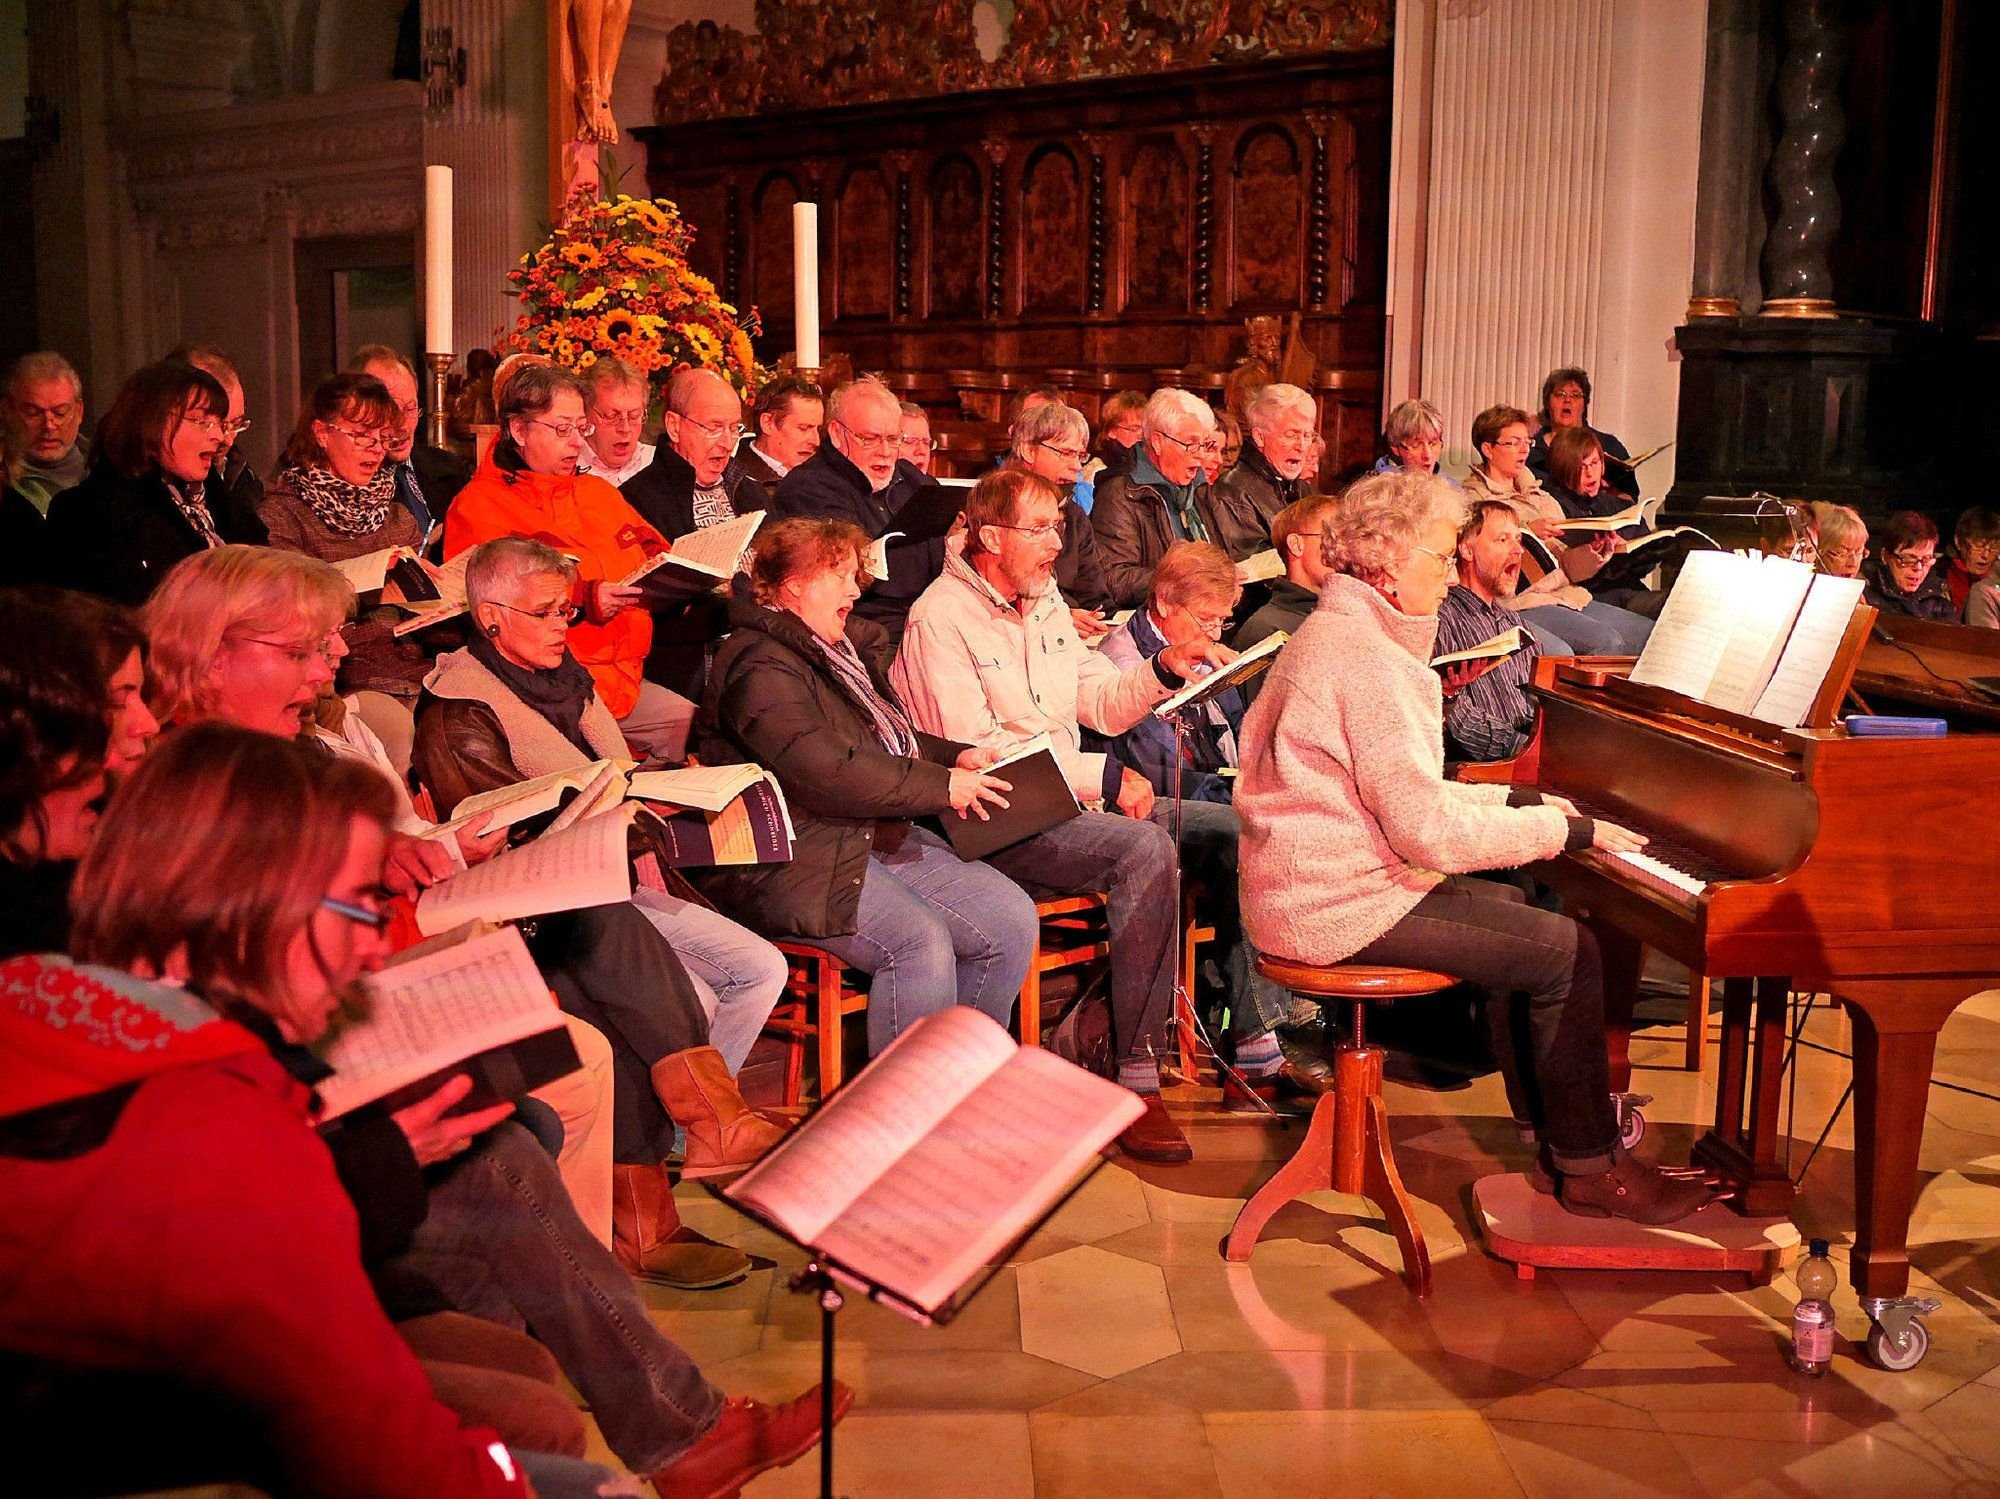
[(1597, 629), (1486, 933), (1210, 832), (934, 930), (502, 1241), (737, 975), (1132, 864)]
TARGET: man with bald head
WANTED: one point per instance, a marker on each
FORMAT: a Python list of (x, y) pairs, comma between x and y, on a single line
[(853, 477), (427, 477), (693, 481)]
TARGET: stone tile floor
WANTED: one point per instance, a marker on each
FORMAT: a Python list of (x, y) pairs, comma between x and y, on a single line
[(1118, 1355)]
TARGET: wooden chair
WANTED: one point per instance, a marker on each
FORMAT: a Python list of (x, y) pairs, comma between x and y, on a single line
[(822, 991), (1187, 1035), (1347, 1146)]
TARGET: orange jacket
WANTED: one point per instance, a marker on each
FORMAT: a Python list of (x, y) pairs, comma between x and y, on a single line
[(584, 516)]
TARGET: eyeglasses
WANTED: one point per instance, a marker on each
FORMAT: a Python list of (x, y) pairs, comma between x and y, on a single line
[(1843, 554), (206, 424), (1521, 444), (1445, 559), (56, 415), (1910, 559), (368, 442), (300, 656), (564, 431), (1211, 625), (882, 442), (1039, 533), (556, 613), (713, 430), (622, 419), (236, 428), (375, 919), (920, 444), (1073, 455), (1206, 447)]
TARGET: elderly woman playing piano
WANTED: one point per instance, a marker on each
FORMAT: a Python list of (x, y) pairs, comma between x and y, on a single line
[(1347, 818)]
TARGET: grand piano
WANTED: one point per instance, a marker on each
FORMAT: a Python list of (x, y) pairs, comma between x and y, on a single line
[(1796, 859)]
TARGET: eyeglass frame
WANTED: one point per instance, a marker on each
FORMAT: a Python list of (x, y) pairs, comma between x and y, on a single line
[(564, 433), (360, 915), (1046, 528), (879, 442), (713, 430), (370, 441), (1904, 559), (1074, 455), (568, 613), (1211, 448)]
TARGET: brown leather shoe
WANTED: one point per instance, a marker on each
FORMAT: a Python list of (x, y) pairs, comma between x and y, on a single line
[(749, 1439), (652, 1243), (1290, 1091), (1635, 1191), (724, 1136), (1154, 1136)]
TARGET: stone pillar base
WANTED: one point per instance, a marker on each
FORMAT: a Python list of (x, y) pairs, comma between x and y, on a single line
[(1712, 307)]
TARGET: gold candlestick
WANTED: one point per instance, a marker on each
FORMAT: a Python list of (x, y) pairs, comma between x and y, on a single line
[(440, 374)]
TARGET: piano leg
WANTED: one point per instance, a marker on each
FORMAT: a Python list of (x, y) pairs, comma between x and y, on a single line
[(1623, 956), (1892, 1070), (1752, 1059)]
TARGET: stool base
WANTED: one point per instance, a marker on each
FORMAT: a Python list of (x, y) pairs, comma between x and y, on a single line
[(1532, 1230)]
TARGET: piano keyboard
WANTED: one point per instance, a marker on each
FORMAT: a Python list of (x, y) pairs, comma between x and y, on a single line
[(1664, 865)]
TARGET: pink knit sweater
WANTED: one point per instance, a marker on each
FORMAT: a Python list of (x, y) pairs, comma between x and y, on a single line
[(1347, 817)]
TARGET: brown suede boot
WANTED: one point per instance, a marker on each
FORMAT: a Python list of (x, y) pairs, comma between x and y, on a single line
[(723, 1135), (652, 1244), (1633, 1190)]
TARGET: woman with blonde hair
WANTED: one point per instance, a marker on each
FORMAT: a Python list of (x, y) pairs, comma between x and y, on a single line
[(1356, 847)]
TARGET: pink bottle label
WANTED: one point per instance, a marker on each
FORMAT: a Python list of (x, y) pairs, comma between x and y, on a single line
[(1814, 1343)]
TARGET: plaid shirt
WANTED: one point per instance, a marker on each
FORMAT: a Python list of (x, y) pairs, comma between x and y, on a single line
[(1493, 717)]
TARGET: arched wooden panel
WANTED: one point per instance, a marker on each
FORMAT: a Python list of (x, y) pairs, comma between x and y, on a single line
[(771, 247), (1269, 183), (704, 206), (957, 249), (1052, 237), (865, 260), (1155, 214)]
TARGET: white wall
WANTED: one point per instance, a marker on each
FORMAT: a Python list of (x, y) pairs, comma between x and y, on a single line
[(1542, 213)]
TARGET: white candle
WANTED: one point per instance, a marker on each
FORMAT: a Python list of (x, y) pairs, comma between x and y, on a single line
[(805, 282), (437, 261)]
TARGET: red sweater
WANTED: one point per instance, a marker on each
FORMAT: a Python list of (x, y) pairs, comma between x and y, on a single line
[(207, 1237)]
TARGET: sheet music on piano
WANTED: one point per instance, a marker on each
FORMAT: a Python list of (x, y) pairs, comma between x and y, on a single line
[(1749, 635)]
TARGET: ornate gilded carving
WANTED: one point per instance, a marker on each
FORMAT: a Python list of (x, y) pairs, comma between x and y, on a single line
[(811, 54)]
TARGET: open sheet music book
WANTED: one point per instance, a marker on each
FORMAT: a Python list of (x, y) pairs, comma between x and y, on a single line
[(708, 554), (937, 1158), (470, 1001), (1753, 635), (1628, 464), (717, 814), (1241, 670), (369, 573), (876, 563), (1262, 567), (450, 601), (1504, 644), (566, 870), (507, 805), (1635, 514)]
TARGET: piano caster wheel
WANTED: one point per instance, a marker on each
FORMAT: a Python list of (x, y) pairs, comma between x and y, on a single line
[(1631, 1123), (1898, 1339)]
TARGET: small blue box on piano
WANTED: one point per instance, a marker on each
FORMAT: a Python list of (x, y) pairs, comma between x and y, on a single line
[(1883, 726)]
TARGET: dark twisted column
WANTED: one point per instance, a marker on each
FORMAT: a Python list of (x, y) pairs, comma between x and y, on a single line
[(732, 245), (996, 228), (1204, 216), (1728, 149), (1797, 282), (900, 305), (1093, 293), (1319, 213)]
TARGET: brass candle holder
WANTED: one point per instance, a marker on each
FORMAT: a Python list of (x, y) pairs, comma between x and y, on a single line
[(440, 376)]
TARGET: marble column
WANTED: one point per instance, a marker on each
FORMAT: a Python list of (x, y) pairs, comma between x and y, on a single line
[(1797, 281), (1725, 187)]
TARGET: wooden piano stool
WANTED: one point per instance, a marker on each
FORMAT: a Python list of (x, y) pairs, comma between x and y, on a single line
[(1532, 1231), (1347, 1147)]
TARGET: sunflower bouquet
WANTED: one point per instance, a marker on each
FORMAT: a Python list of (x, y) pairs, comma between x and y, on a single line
[(615, 279)]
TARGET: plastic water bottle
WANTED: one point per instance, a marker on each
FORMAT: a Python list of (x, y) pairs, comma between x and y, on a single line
[(1812, 1318)]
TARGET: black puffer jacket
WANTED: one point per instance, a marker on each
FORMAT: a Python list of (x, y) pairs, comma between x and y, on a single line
[(772, 699)]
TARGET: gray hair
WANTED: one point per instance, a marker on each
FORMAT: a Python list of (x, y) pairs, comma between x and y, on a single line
[(608, 372), (681, 389), (1171, 407), (1379, 519), (1839, 525), (1411, 420), (865, 388), (532, 390), (44, 364), (1050, 422), (1273, 401), (496, 568)]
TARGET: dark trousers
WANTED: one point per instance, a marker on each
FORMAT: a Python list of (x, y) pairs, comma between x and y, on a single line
[(1487, 934), (502, 1241), (612, 969), (1132, 865)]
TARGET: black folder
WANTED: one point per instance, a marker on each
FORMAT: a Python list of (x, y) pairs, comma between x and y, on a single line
[(1040, 799)]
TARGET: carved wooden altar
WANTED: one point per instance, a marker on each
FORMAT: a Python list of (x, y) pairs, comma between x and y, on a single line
[(1117, 230)]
